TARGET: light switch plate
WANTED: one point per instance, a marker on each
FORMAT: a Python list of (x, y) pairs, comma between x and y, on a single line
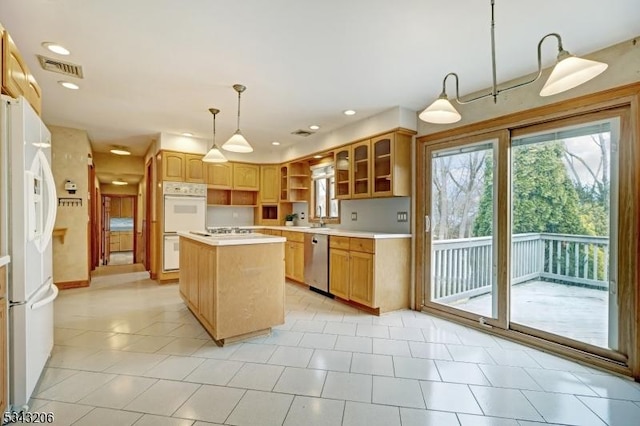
[(403, 217), (354, 215)]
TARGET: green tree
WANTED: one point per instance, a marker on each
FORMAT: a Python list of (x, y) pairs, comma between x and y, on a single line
[(544, 197)]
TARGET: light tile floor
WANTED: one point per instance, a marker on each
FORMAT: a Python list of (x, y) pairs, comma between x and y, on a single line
[(127, 351)]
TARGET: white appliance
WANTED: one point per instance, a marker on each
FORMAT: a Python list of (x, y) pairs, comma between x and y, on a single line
[(30, 209), (185, 209)]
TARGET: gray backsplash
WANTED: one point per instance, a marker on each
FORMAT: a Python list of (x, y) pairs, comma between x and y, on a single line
[(375, 215), (229, 216)]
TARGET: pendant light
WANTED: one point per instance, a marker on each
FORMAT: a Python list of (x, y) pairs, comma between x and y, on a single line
[(237, 142), (214, 155), (569, 72)]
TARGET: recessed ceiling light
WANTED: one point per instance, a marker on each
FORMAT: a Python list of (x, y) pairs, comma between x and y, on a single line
[(349, 112), (120, 150), (314, 127), (275, 143), (119, 182), (189, 134), (56, 48), (69, 85), (317, 156)]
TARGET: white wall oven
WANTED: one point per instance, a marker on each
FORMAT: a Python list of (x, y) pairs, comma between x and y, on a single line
[(185, 209)]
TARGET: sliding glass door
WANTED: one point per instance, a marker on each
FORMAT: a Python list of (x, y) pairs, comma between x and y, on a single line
[(563, 228)]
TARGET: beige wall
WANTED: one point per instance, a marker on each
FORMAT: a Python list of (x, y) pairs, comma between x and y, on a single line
[(70, 149), (109, 189)]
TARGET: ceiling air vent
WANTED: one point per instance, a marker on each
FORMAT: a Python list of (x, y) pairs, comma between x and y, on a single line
[(301, 132), (61, 67)]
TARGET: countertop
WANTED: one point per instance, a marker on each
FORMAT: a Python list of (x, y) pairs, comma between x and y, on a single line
[(4, 260), (233, 239), (329, 231)]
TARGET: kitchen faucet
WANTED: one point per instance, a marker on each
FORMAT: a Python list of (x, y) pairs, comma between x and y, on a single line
[(320, 216)]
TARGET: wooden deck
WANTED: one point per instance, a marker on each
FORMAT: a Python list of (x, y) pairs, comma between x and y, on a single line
[(576, 312)]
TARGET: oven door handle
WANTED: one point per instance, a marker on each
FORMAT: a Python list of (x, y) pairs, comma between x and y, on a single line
[(182, 197)]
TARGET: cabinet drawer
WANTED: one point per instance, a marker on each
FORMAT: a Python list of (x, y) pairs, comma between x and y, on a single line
[(366, 245), (339, 242), (293, 236)]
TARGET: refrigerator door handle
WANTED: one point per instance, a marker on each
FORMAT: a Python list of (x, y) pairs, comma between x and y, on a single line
[(52, 205), (47, 299)]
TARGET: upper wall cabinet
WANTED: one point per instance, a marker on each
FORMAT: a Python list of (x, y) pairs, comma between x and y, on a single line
[(173, 166), (269, 183), (295, 181), (194, 168), (377, 167), (219, 175), (246, 177), (17, 80)]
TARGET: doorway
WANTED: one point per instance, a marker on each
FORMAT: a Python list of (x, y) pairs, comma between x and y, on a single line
[(119, 229)]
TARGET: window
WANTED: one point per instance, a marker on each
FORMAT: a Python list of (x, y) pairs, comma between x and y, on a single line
[(325, 205)]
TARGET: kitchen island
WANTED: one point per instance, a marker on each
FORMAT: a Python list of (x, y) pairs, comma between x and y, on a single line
[(233, 283)]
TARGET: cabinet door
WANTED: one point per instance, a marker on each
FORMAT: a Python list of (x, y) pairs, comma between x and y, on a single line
[(342, 161), (339, 273), (207, 284), (289, 258), (361, 170), (269, 184), (126, 241), (361, 278), (173, 166), (284, 183), (189, 273), (219, 175), (246, 177), (194, 168), (126, 207), (382, 164), (115, 207), (298, 261)]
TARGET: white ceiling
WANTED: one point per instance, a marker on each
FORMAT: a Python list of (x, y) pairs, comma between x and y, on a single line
[(155, 66)]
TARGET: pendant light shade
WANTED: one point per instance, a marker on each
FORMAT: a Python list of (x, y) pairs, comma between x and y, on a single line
[(569, 72), (440, 112), (237, 142), (214, 155)]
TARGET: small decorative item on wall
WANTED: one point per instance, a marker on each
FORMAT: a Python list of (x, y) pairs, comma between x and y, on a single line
[(290, 218)]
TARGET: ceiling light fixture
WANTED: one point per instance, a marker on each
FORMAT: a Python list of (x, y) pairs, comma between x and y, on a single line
[(56, 48), (69, 85), (317, 156), (349, 112), (237, 142), (314, 127), (187, 134), (569, 72), (214, 155), (275, 143), (119, 182), (120, 150)]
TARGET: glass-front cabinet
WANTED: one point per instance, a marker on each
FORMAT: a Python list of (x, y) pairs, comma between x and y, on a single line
[(361, 170), (342, 173), (382, 163)]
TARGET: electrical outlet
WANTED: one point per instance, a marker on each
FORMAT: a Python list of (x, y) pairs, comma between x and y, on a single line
[(403, 217), (354, 215), (301, 215)]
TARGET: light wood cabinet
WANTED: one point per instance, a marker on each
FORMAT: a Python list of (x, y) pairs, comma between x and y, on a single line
[(342, 161), (219, 175), (115, 207), (173, 166), (206, 259), (374, 273), (194, 168), (361, 170), (391, 165), (246, 177), (294, 255), (269, 183), (126, 241), (188, 283), (126, 206), (295, 182), (17, 79)]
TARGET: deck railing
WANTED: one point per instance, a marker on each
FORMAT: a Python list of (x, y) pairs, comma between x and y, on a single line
[(462, 268)]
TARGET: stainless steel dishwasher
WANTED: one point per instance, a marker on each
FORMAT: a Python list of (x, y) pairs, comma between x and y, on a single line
[(316, 262)]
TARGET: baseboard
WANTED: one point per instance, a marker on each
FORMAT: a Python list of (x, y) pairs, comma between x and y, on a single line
[(66, 285)]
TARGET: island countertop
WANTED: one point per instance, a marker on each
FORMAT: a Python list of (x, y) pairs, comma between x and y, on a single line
[(231, 239)]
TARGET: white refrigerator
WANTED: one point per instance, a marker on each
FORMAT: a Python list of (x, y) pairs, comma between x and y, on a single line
[(30, 213)]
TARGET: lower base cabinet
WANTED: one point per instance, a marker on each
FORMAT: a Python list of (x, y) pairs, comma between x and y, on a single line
[(294, 255), (371, 272)]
